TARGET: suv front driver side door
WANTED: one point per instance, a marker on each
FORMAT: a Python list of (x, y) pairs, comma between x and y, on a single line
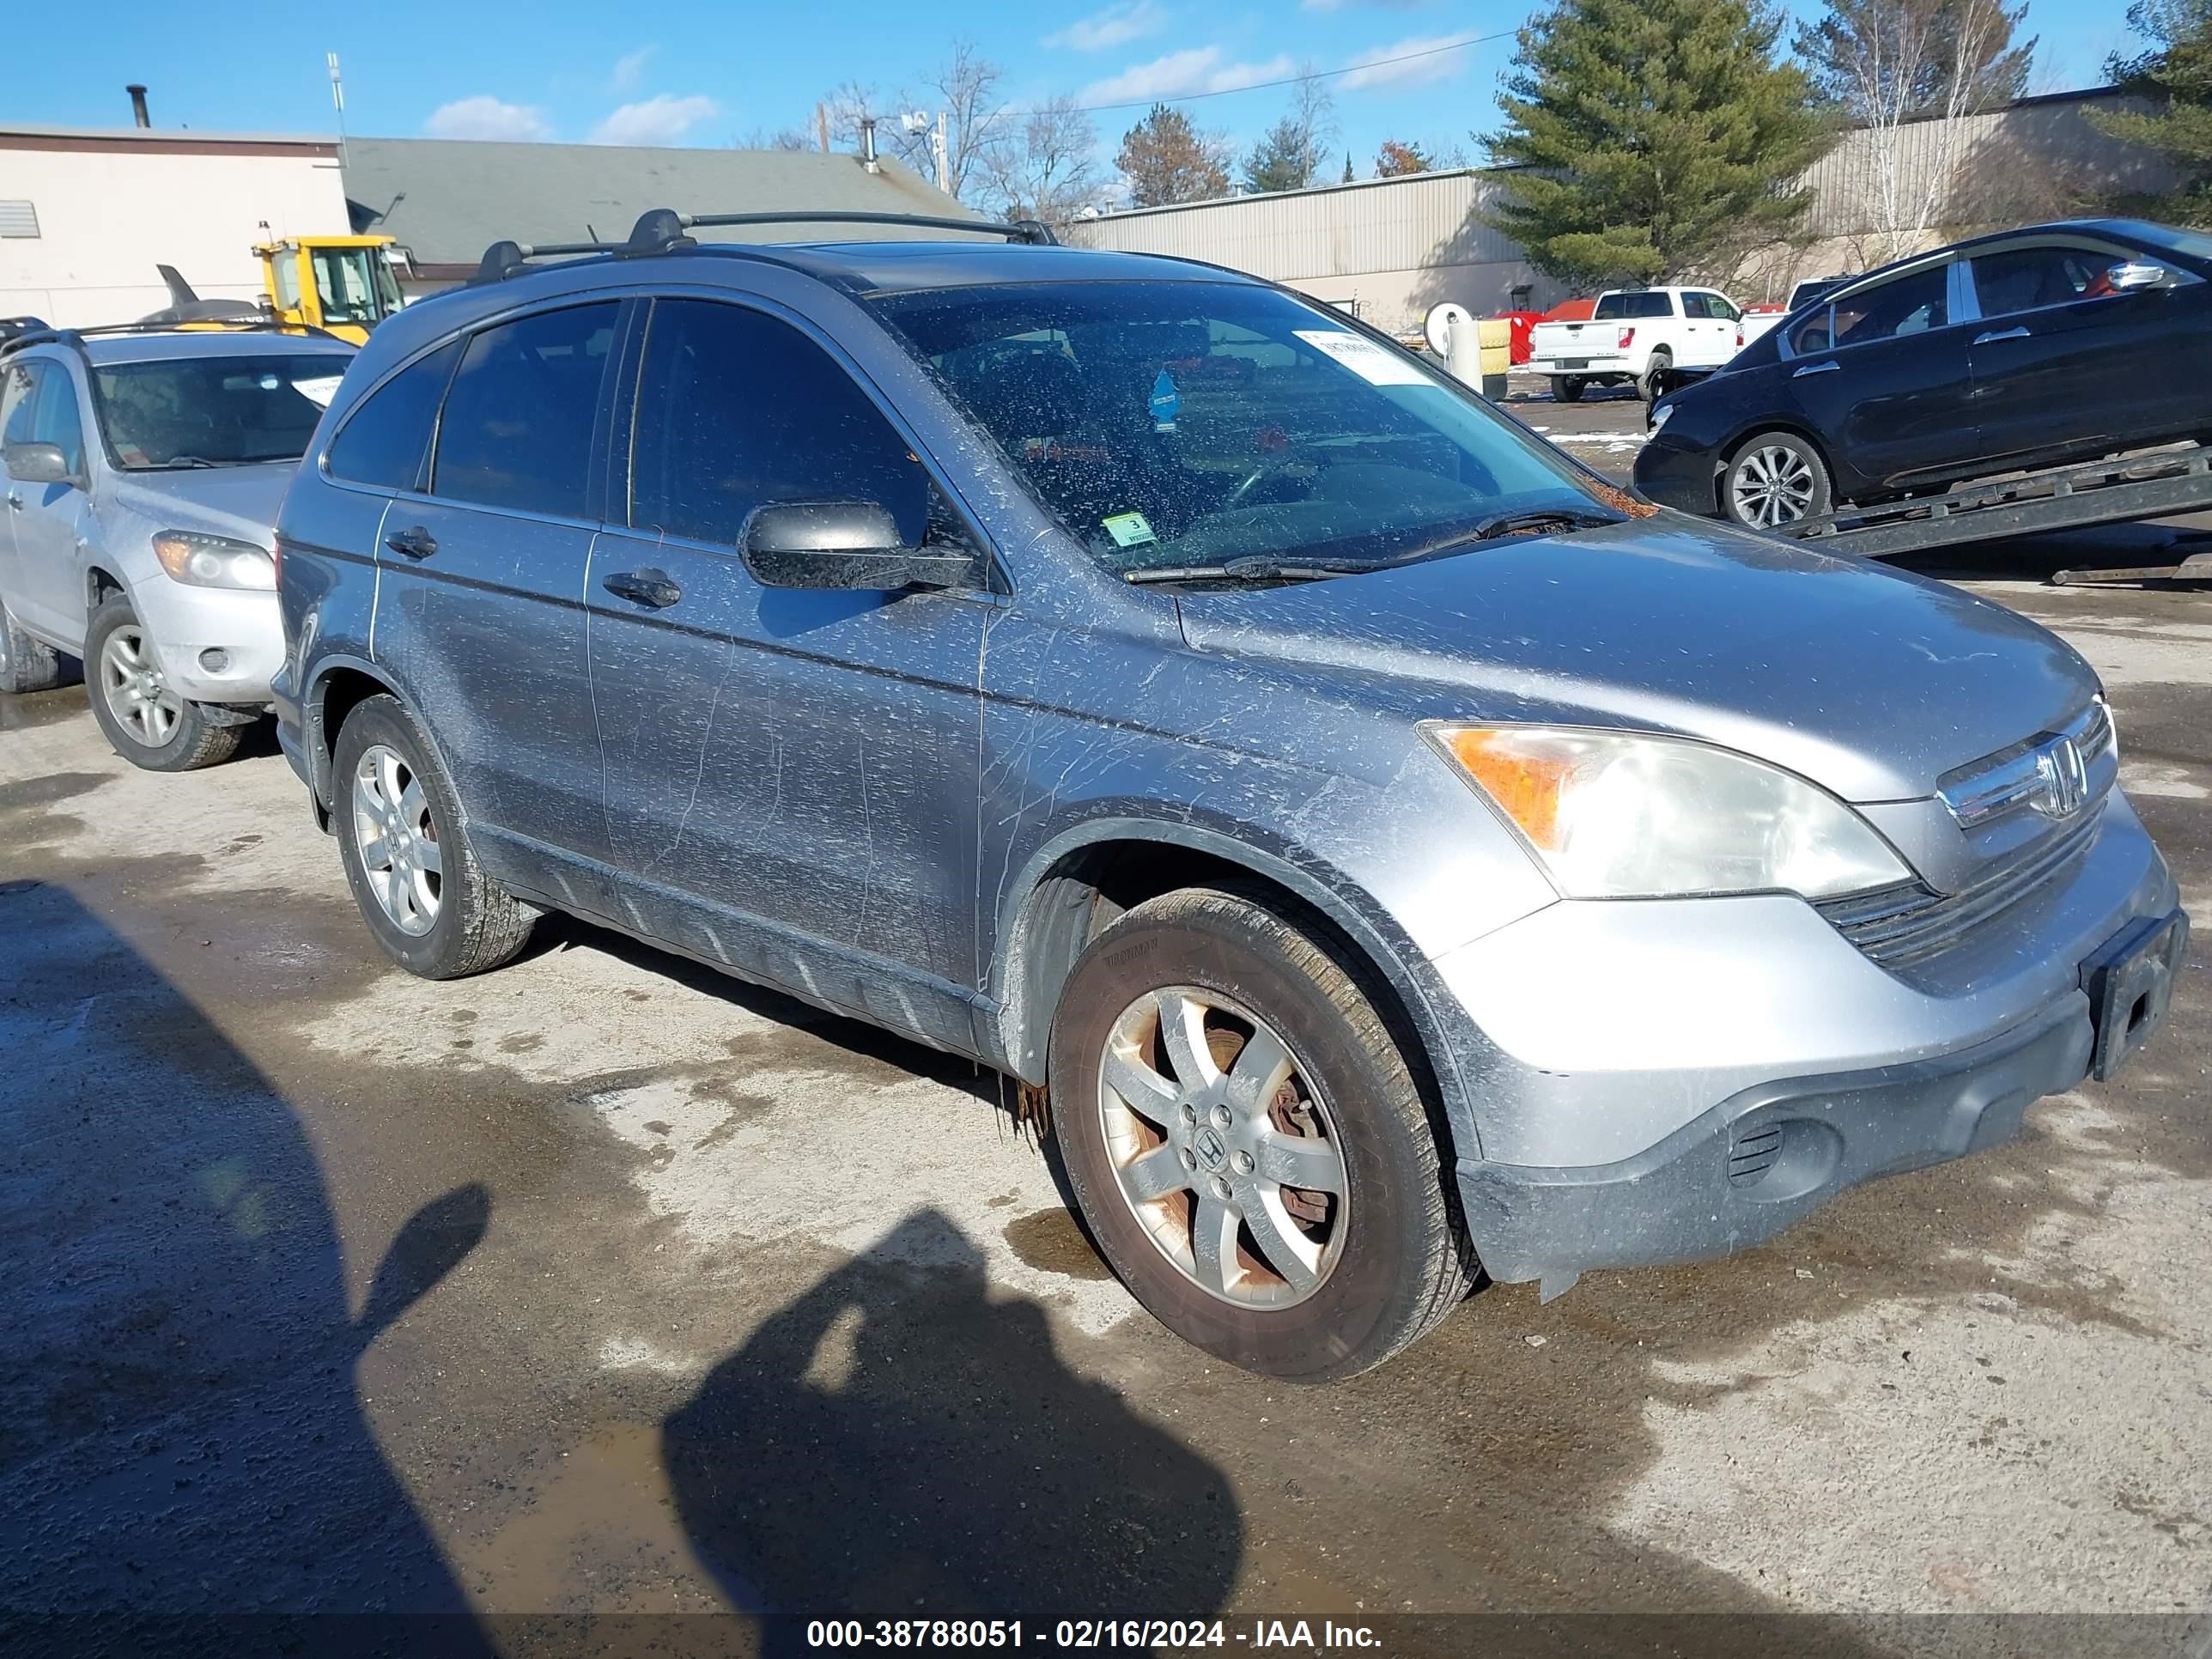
[(790, 773)]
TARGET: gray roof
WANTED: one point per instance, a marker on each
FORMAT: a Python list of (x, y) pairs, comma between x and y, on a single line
[(446, 200)]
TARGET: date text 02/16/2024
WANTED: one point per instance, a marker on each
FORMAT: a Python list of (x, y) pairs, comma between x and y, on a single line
[(1081, 1633)]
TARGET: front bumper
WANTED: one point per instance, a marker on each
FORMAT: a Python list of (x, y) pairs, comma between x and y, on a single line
[(191, 624), (1762, 1158), (1632, 1052)]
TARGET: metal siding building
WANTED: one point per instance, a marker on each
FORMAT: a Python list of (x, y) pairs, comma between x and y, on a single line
[(1392, 247)]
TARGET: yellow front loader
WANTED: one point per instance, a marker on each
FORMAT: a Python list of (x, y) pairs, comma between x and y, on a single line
[(341, 284)]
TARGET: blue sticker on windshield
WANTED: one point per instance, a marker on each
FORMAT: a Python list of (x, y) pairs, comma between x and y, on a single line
[(1167, 402)]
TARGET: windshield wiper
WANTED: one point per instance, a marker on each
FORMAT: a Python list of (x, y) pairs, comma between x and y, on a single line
[(1511, 524), (1258, 567), (185, 461)]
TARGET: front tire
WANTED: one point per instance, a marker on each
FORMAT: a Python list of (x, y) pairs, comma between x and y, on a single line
[(150, 724), (26, 663), (407, 853), (1774, 479), (1248, 1142)]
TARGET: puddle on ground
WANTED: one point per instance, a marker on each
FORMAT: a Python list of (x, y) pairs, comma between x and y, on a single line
[(1049, 1241)]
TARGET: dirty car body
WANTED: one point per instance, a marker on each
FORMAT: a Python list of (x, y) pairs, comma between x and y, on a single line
[(1173, 625)]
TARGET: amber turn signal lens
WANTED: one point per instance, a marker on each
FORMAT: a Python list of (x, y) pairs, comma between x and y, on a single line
[(1526, 787)]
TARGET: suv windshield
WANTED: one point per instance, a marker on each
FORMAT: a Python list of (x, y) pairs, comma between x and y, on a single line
[(1174, 424), (213, 411)]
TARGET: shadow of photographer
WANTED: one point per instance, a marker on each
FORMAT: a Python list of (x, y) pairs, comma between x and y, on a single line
[(897, 1443)]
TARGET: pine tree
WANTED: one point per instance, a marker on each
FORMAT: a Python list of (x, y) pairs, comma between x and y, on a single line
[(1166, 159), (1292, 152), (1347, 166), (1654, 134), (2175, 74)]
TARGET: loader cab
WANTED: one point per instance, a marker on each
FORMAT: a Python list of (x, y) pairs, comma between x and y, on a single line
[(341, 283)]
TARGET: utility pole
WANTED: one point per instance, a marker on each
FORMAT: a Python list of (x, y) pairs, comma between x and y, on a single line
[(338, 102), (944, 160)]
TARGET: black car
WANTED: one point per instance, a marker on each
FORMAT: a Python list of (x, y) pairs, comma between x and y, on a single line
[(2030, 348)]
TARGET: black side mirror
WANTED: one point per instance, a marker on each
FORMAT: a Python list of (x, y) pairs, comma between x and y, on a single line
[(39, 464), (850, 545)]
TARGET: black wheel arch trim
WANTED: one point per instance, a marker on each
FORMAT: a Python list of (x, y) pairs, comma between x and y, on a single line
[(1024, 1029)]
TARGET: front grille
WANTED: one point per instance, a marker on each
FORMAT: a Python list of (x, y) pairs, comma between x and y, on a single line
[(2017, 779), (1911, 921)]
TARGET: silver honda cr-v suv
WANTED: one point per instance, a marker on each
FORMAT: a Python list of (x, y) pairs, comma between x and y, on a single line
[(1398, 852)]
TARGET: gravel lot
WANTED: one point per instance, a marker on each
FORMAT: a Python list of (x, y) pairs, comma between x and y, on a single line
[(604, 1284)]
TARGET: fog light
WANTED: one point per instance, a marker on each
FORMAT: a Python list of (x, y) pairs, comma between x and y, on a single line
[(216, 659)]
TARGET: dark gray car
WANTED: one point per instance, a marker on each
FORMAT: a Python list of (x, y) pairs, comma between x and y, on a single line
[(1397, 851)]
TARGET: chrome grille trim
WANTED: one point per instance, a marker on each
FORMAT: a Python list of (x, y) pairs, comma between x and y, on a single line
[(1999, 785), (1911, 921)]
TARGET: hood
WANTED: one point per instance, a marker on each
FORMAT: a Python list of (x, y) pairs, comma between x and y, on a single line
[(240, 501), (1869, 682)]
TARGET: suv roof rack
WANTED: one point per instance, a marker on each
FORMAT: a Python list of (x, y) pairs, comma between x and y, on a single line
[(663, 230), (76, 337)]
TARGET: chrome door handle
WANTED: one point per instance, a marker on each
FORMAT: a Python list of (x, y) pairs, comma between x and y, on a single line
[(416, 544), (1828, 368), (650, 589), (14, 501), (2001, 334)]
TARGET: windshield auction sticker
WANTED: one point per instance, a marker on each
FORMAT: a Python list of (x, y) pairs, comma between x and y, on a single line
[(1129, 529), (1362, 357)]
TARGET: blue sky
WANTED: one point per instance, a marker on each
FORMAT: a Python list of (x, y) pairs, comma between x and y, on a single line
[(707, 72)]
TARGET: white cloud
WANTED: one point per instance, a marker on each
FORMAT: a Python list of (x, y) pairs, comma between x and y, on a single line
[(487, 117), (1437, 65), (1116, 26), (629, 70), (1181, 73), (660, 119)]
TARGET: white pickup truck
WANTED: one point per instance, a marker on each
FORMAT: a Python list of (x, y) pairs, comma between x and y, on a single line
[(1638, 334)]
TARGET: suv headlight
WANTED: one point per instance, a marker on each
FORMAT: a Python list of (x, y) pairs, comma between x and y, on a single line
[(205, 561), (1620, 815)]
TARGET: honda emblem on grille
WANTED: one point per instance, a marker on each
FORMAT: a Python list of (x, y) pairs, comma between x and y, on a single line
[(2065, 779)]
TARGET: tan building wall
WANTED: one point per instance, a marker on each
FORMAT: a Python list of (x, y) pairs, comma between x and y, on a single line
[(109, 206), (1396, 246)]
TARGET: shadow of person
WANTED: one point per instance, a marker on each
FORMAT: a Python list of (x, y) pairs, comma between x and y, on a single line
[(185, 1462), (896, 1443)]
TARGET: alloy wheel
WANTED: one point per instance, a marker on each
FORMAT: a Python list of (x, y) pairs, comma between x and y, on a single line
[(137, 692), (1223, 1148), (398, 840), (1771, 485)]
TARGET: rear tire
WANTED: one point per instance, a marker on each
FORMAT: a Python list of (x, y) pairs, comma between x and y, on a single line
[(1567, 388), (1653, 385), (150, 724), (406, 851), (1296, 1140), (26, 663), (1772, 479)]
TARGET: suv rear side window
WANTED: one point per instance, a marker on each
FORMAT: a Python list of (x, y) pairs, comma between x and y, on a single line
[(386, 440), (736, 410), (517, 431), (1631, 304)]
